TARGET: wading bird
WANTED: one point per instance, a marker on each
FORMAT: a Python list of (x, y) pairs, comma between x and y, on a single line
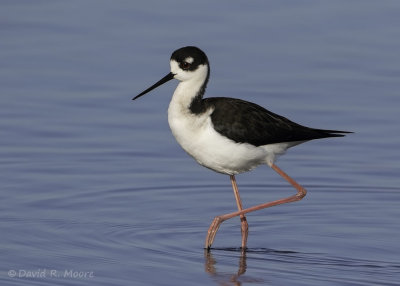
[(228, 135)]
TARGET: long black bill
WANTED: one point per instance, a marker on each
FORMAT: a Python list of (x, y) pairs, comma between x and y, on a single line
[(166, 78)]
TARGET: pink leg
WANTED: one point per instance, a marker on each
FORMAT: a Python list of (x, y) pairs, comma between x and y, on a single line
[(212, 231), (243, 221)]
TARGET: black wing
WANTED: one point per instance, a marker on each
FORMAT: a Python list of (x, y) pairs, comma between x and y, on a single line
[(246, 122)]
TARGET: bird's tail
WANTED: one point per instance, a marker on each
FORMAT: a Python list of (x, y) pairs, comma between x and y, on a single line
[(332, 133)]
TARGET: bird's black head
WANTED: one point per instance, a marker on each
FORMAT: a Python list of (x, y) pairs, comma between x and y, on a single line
[(189, 58), (187, 63)]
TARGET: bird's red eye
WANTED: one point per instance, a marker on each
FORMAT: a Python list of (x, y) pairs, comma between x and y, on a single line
[(185, 65)]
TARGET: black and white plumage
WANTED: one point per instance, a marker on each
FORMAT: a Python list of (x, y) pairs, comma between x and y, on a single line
[(246, 122), (228, 135)]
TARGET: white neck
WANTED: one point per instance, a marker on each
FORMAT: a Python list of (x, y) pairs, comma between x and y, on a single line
[(189, 85), (185, 92)]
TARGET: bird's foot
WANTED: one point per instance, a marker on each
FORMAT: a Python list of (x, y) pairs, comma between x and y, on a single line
[(212, 231)]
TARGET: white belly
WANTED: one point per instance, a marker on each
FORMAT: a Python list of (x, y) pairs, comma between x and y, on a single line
[(198, 138)]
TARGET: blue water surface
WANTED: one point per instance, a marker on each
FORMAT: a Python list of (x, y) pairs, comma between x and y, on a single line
[(94, 189)]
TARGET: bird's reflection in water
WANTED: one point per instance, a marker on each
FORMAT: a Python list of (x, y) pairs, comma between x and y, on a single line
[(228, 278)]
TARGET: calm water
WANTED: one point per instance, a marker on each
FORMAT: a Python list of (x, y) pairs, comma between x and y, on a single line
[(94, 189)]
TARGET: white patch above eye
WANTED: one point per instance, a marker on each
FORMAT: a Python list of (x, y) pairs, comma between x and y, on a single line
[(189, 60)]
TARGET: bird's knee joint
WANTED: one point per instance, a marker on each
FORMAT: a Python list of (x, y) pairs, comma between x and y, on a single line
[(301, 193)]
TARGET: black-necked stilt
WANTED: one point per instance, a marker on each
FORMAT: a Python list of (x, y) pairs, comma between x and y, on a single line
[(227, 135)]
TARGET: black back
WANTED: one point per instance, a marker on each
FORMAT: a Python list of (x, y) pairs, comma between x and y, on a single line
[(246, 122), (243, 121)]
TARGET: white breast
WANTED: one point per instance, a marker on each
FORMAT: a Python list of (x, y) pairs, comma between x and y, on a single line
[(196, 135)]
